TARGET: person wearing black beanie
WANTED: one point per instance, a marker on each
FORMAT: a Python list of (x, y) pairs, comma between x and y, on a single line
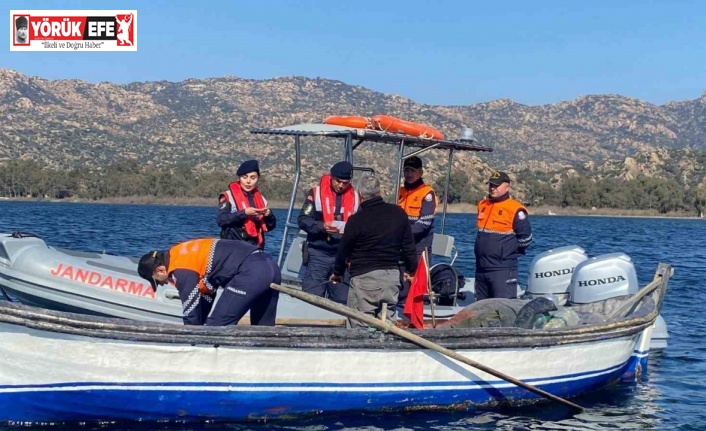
[(243, 213)]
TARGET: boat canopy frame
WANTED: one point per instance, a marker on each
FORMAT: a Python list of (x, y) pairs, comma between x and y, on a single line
[(352, 138)]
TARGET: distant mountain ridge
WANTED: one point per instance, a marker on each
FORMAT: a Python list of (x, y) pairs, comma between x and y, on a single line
[(205, 122)]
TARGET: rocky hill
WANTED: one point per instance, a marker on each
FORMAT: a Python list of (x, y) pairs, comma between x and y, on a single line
[(69, 123)]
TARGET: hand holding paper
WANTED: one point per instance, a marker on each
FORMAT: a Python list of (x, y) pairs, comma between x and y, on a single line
[(341, 225)]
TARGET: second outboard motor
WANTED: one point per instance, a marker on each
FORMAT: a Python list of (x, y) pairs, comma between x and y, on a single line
[(602, 277), (550, 273)]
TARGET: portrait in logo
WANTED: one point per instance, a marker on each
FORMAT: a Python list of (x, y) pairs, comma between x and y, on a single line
[(22, 30)]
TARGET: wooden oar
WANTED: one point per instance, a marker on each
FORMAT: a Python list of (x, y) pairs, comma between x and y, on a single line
[(385, 326)]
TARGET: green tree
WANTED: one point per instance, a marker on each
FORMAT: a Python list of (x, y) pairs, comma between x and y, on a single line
[(698, 197), (579, 192), (461, 189)]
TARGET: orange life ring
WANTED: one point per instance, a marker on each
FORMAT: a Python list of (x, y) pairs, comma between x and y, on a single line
[(387, 123), (349, 121)]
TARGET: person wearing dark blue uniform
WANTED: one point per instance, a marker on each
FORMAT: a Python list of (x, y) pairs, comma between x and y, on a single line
[(418, 200), (243, 213), (504, 233), (323, 217), (197, 268)]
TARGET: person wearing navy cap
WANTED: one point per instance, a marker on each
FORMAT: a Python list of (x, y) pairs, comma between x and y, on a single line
[(323, 216), (504, 233), (198, 267), (242, 210), (419, 201)]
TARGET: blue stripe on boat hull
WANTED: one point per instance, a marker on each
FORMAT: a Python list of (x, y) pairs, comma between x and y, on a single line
[(152, 402), (636, 367)]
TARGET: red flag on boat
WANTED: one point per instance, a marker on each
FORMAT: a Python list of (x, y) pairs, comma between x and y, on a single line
[(414, 305)]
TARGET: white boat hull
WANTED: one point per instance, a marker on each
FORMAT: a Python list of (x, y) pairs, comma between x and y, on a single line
[(59, 377)]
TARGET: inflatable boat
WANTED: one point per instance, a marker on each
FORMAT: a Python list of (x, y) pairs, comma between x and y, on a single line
[(34, 273), (99, 284)]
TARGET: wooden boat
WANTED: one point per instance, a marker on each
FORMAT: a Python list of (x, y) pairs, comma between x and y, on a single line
[(70, 368), (387, 123)]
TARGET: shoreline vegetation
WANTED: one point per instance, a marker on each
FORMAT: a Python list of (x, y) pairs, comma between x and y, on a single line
[(130, 183), (455, 208)]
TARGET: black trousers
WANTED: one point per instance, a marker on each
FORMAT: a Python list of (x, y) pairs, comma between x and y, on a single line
[(249, 290), (496, 284), (317, 271)]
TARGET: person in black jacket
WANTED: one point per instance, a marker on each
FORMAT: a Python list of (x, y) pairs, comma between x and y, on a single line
[(243, 213), (375, 240)]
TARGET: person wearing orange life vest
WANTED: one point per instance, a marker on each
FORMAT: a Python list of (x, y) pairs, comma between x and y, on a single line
[(323, 216), (197, 268), (242, 210), (418, 200), (504, 233)]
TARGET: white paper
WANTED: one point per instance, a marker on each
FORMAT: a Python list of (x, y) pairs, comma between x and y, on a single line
[(341, 225)]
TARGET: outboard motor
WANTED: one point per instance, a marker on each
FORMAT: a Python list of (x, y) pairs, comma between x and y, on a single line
[(602, 277), (550, 273)]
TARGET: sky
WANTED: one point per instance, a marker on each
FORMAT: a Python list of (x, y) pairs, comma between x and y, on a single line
[(438, 52)]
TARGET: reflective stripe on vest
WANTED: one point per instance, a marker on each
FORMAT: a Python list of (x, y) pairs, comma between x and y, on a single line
[(195, 255), (411, 200), (254, 226), (498, 217), (231, 201), (319, 202)]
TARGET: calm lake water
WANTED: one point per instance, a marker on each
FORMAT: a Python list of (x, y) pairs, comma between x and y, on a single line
[(672, 397)]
